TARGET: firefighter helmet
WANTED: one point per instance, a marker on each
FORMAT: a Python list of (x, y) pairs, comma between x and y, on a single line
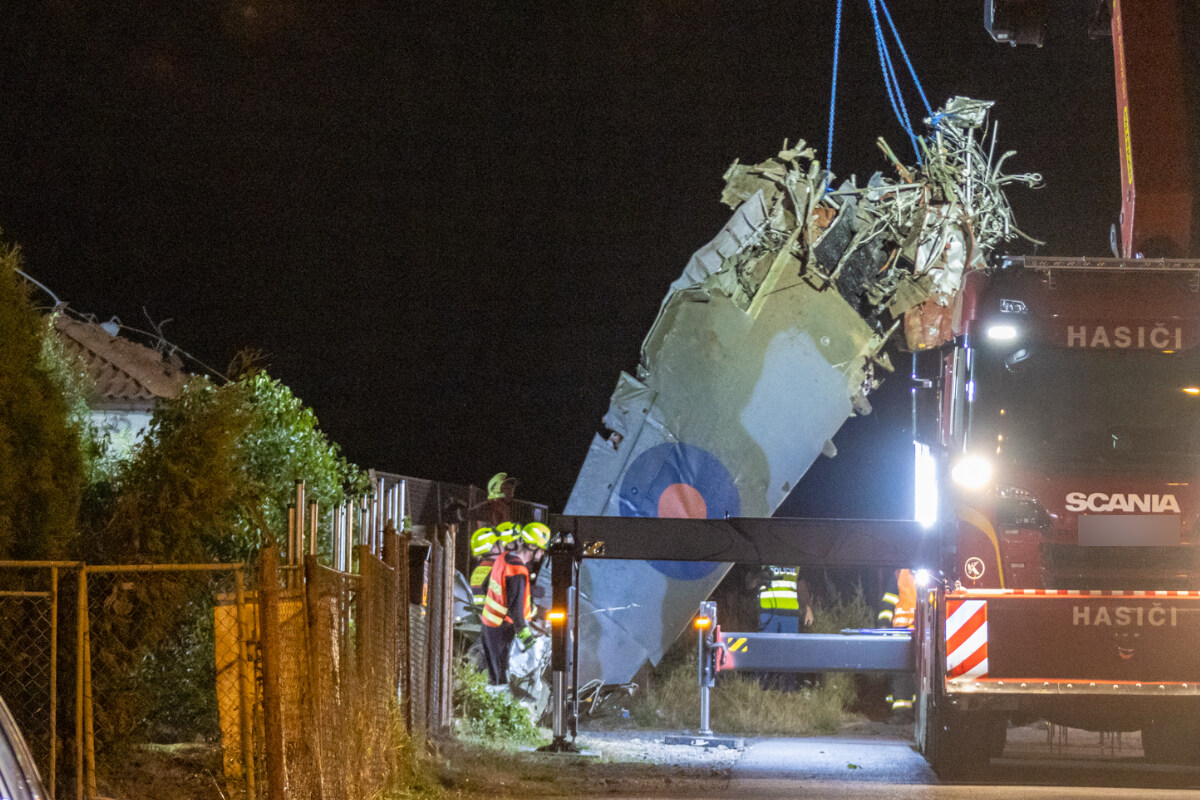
[(482, 540), (506, 534), (496, 485), (536, 535)]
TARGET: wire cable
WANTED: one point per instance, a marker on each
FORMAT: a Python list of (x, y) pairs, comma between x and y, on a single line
[(837, 39), (911, 71), (890, 82)]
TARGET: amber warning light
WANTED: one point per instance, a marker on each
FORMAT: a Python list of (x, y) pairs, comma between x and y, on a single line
[(556, 616), (703, 623)]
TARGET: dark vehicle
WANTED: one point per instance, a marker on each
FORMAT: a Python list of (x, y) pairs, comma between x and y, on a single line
[(19, 779)]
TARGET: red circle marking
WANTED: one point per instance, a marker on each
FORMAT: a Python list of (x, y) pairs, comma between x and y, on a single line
[(682, 501)]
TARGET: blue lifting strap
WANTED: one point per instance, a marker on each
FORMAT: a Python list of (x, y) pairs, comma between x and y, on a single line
[(837, 38)]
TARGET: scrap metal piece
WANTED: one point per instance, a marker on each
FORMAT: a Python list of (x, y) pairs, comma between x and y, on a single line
[(764, 346)]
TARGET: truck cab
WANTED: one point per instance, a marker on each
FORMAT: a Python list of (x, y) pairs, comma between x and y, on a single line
[(1061, 429)]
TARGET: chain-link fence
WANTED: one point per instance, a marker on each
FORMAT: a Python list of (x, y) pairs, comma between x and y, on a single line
[(150, 667), (109, 667), (31, 619)]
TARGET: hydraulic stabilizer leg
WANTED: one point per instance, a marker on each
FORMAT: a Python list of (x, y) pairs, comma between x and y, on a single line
[(706, 620), (563, 568)]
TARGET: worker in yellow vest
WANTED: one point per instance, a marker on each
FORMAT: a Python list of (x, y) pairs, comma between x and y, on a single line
[(486, 546), (783, 601), (900, 611), (508, 604)]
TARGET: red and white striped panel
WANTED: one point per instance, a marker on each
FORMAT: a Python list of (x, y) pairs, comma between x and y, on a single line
[(966, 639), (1072, 593)]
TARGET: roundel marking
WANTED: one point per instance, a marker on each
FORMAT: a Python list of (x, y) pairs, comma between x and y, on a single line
[(679, 480), (681, 501)]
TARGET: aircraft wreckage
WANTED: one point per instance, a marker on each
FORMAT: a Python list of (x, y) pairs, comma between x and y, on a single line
[(769, 341)]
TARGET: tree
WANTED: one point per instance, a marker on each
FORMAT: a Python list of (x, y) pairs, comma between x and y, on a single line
[(214, 473), (41, 466)]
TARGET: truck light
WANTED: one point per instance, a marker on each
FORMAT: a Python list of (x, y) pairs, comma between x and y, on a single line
[(1192, 390), (1002, 333), (556, 616), (972, 472), (702, 623), (921, 577)]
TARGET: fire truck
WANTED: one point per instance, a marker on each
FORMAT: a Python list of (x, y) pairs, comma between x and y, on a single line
[(1059, 439)]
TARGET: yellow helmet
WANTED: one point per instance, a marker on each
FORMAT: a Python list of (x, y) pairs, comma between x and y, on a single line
[(536, 535), (507, 533), (495, 486), (482, 540)]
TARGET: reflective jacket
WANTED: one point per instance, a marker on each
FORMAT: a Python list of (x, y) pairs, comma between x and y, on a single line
[(781, 593), (507, 599), (479, 579), (900, 601)]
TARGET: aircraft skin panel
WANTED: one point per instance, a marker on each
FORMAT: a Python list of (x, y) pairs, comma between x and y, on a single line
[(766, 344)]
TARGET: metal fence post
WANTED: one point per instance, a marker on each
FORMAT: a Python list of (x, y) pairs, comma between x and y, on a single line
[(80, 622), (403, 656), (89, 738), (53, 681), (447, 713), (270, 644), (245, 688)]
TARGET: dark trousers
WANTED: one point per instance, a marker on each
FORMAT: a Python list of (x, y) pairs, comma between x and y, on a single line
[(778, 622), (774, 621), (496, 645)]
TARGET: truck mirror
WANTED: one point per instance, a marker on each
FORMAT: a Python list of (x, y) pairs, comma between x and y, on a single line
[(926, 393)]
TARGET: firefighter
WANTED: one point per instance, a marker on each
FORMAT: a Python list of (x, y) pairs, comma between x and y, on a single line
[(486, 545), (900, 611), (783, 600), (508, 604), (498, 507)]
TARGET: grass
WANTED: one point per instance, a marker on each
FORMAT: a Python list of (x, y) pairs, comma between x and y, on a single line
[(740, 703)]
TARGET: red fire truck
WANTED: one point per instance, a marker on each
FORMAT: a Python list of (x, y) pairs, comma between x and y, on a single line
[(1063, 430)]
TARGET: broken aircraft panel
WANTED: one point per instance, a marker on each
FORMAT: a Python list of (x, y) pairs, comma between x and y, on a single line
[(771, 338)]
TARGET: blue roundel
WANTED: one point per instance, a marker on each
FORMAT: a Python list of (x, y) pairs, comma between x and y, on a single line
[(679, 480)]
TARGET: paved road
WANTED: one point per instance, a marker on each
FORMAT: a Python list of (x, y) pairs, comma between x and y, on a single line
[(865, 770), (1037, 764)]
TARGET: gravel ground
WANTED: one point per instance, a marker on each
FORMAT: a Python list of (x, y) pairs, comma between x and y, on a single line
[(620, 762)]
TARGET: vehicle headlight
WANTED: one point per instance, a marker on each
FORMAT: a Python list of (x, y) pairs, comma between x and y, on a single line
[(972, 472)]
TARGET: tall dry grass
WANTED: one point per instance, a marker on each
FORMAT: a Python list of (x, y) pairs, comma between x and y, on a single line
[(740, 702)]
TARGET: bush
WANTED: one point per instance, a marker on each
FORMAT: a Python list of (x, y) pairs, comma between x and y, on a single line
[(493, 716), (41, 464)]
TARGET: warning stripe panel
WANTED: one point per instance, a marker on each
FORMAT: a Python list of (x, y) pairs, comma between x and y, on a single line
[(966, 637), (965, 631), (1069, 593)]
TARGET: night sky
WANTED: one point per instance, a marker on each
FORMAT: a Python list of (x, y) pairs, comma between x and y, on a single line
[(449, 226)]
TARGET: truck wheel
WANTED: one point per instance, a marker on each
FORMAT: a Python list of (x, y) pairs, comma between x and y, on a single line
[(1172, 741), (959, 745)]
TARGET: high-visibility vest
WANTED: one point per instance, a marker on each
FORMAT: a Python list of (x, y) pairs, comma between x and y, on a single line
[(495, 603), (479, 579), (781, 593), (900, 607)]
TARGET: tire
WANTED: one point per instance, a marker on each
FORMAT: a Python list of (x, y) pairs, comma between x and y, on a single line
[(960, 744), (1172, 741)]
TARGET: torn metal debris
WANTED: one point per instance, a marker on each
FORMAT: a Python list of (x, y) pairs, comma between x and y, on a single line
[(771, 338)]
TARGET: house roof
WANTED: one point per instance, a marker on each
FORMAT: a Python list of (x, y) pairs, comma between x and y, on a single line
[(126, 374)]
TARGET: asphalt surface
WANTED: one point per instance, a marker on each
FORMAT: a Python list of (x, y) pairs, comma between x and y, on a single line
[(1039, 763)]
